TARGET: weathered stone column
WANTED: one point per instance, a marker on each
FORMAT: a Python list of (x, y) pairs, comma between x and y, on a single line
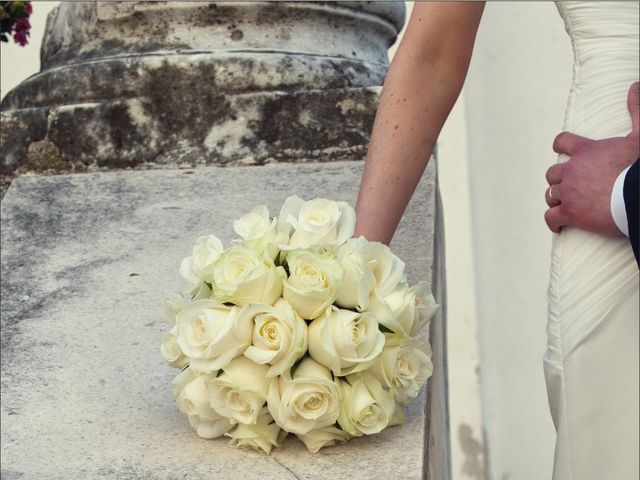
[(166, 83)]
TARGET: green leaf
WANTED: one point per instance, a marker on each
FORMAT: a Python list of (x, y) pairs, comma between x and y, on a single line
[(295, 366), (384, 329)]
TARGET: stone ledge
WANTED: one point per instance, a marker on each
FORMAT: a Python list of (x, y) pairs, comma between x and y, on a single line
[(198, 127), (87, 260), (86, 30), (182, 73)]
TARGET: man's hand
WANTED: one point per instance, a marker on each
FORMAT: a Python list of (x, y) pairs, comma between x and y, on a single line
[(579, 193)]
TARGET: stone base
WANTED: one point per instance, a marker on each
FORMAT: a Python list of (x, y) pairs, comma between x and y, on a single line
[(184, 83), (87, 260), (244, 128)]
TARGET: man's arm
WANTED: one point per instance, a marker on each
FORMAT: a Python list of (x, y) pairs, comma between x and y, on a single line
[(631, 193), (422, 84)]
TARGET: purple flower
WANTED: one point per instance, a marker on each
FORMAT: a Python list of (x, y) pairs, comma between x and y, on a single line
[(22, 24), (14, 18), (21, 31)]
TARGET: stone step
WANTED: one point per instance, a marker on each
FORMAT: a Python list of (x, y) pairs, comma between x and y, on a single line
[(87, 260)]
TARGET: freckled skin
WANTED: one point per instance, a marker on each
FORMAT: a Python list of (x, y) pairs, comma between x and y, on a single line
[(427, 73)]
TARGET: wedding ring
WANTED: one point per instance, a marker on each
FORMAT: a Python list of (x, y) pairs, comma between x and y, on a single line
[(551, 200)]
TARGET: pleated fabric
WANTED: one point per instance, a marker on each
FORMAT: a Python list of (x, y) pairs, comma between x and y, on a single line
[(591, 363)]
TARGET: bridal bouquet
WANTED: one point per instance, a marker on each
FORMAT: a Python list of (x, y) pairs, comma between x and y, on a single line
[(296, 328)]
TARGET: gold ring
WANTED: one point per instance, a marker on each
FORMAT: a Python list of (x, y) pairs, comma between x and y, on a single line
[(552, 201)]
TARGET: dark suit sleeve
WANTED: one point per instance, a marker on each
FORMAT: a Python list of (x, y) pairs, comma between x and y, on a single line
[(631, 194)]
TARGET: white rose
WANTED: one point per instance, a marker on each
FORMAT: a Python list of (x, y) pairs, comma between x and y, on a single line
[(241, 276), (198, 267), (323, 437), (174, 305), (211, 334), (171, 351), (404, 366), (313, 283), (240, 392), (344, 341), (412, 307), (201, 292), (387, 268), (405, 310), (279, 336), (258, 230), (255, 224), (366, 408), (319, 222), (359, 280), (309, 400), (263, 435), (182, 380), (193, 400)]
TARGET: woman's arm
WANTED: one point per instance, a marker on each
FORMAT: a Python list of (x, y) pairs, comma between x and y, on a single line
[(423, 83)]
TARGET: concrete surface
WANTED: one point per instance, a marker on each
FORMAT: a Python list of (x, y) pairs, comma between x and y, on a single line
[(87, 261)]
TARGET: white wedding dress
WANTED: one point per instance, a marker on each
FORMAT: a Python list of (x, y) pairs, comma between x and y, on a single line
[(591, 362)]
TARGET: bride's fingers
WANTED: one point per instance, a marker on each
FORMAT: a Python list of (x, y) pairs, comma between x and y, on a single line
[(555, 219), (554, 174)]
